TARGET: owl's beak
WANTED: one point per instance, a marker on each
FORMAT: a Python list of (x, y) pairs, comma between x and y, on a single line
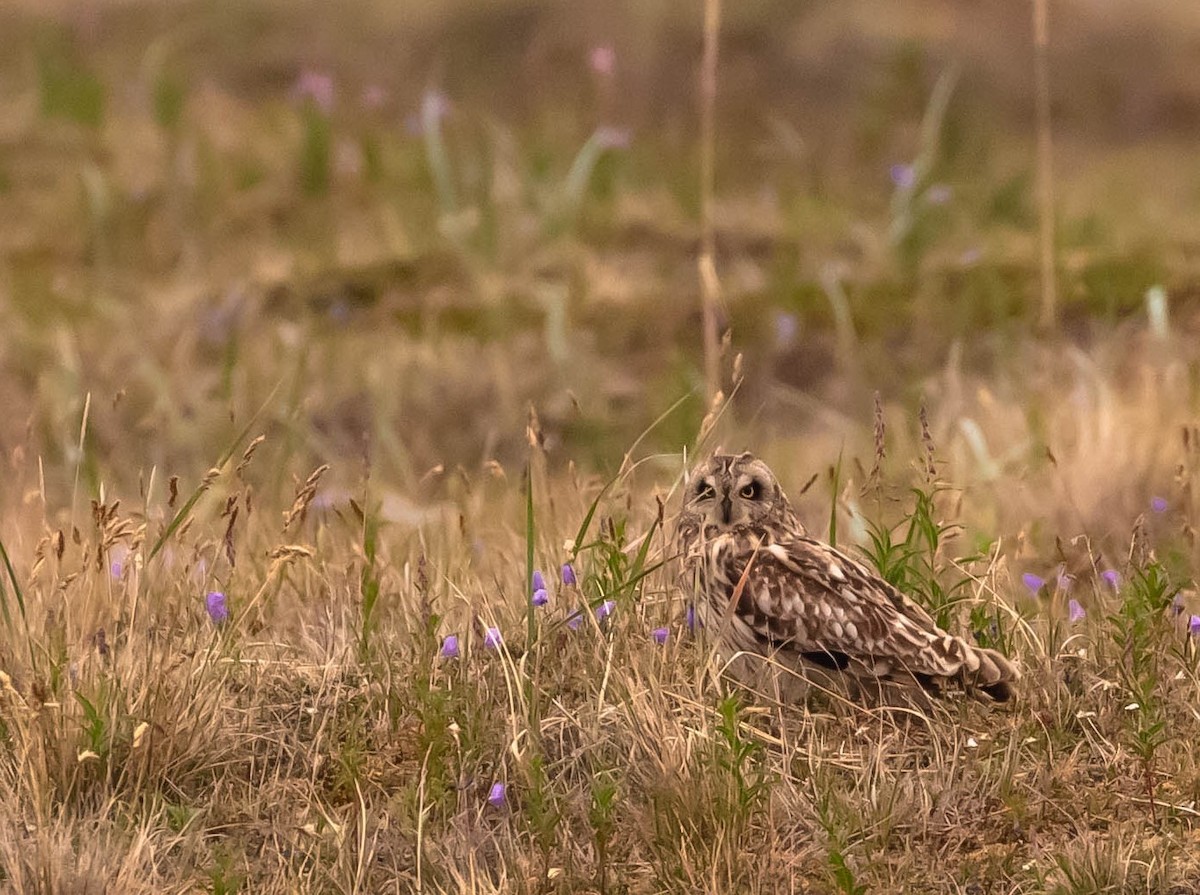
[(726, 508)]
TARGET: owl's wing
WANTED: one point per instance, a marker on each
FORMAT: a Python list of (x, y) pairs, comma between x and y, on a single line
[(802, 595)]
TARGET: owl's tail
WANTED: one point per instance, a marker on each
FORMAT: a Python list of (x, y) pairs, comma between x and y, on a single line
[(990, 672)]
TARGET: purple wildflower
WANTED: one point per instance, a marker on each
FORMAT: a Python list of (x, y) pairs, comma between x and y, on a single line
[(603, 60), (1113, 579), (374, 96), (218, 611), (1064, 581), (1075, 611), (939, 194), (1194, 625), (539, 580), (575, 620), (568, 574), (434, 105), (492, 639), (317, 87), (497, 795), (1033, 582), (903, 176), (1158, 504), (787, 327), (690, 618), (540, 597), (119, 554), (450, 647), (613, 137), (605, 609), (1177, 605), (660, 635)]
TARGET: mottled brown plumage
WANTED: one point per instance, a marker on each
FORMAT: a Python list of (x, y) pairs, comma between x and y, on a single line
[(769, 590)]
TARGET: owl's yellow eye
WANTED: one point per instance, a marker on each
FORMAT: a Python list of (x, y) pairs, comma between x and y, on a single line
[(752, 491)]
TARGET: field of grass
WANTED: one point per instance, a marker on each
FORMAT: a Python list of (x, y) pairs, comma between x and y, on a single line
[(323, 330)]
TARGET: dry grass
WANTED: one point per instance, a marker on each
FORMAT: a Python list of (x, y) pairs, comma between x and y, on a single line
[(300, 747)]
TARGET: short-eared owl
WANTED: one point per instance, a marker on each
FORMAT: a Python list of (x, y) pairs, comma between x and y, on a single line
[(768, 590)]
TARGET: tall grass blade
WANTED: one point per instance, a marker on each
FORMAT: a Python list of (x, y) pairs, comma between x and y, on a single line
[(836, 473), (530, 619), (184, 511), (18, 594)]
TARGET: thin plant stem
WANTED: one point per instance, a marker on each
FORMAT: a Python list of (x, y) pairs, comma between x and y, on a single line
[(710, 285), (1045, 161)]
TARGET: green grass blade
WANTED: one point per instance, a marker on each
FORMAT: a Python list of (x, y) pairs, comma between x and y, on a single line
[(19, 595), (368, 582), (530, 620), (639, 562), (577, 544), (833, 501), (16, 588)]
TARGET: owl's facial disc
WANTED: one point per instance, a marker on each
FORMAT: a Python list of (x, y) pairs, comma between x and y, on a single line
[(742, 500), (729, 499)]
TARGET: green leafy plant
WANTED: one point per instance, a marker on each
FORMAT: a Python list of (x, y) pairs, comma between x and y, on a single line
[(743, 761), (369, 581), (837, 819), (602, 819), (912, 557), (1137, 628), (542, 814)]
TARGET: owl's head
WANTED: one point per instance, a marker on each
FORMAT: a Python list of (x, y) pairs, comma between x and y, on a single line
[(734, 491)]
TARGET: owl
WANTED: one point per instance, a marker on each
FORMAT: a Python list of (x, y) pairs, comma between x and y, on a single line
[(777, 600)]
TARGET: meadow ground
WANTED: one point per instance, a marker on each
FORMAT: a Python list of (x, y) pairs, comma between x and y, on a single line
[(321, 332)]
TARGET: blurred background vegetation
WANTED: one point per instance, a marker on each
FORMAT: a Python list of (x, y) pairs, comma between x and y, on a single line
[(377, 232), (410, 220)]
